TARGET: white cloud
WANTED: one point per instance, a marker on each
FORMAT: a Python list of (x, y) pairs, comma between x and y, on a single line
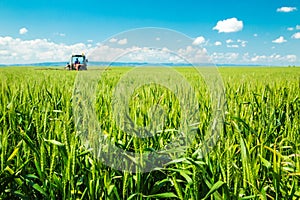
[(291, 58), (230, 57), (113, 40), (258, 58), (296, 35), (157, 39), (279, 40), (106, 53), (247, 58), (286, 9), (255, 34), (218, 43), (60, 34), (199, 40), (242, 42), (23, 31), (194, 55), (122, 41), (233, 46), (191, 54), (89, 41), (229, 25), (269, 59), (15, 50), (297, 27)]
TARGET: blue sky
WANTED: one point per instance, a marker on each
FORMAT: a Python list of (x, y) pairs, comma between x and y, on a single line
[(234, 31)]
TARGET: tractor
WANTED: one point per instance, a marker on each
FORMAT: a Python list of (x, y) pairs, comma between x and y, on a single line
[(77, 62)]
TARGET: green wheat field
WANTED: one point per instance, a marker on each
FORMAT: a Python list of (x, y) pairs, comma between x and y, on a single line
[(256, 156)]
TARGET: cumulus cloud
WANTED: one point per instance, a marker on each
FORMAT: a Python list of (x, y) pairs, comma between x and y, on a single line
[(106, 53), (229, 25), (122, 41), (296, 35), (242, 42), (199, 40), (15, 50), (291, 58), (229, 41), (247, 58), (23, 31), (233, 46), (258, 58), (286, 9), (194, 55), (230, 57), (218, 43), (297, 27), (279, 40), (60, 34), (113, 40), (269, 59), (188, 54)]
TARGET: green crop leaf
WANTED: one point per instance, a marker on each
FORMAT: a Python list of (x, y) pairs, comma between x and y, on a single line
[(214, 188), (15, 152), (57, 143), (162, 195), (39, 189)]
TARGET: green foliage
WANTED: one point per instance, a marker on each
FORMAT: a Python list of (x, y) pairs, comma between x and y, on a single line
[(257, 155)]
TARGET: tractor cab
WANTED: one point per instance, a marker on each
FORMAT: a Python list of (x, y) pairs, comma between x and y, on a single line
[(77, 62)]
